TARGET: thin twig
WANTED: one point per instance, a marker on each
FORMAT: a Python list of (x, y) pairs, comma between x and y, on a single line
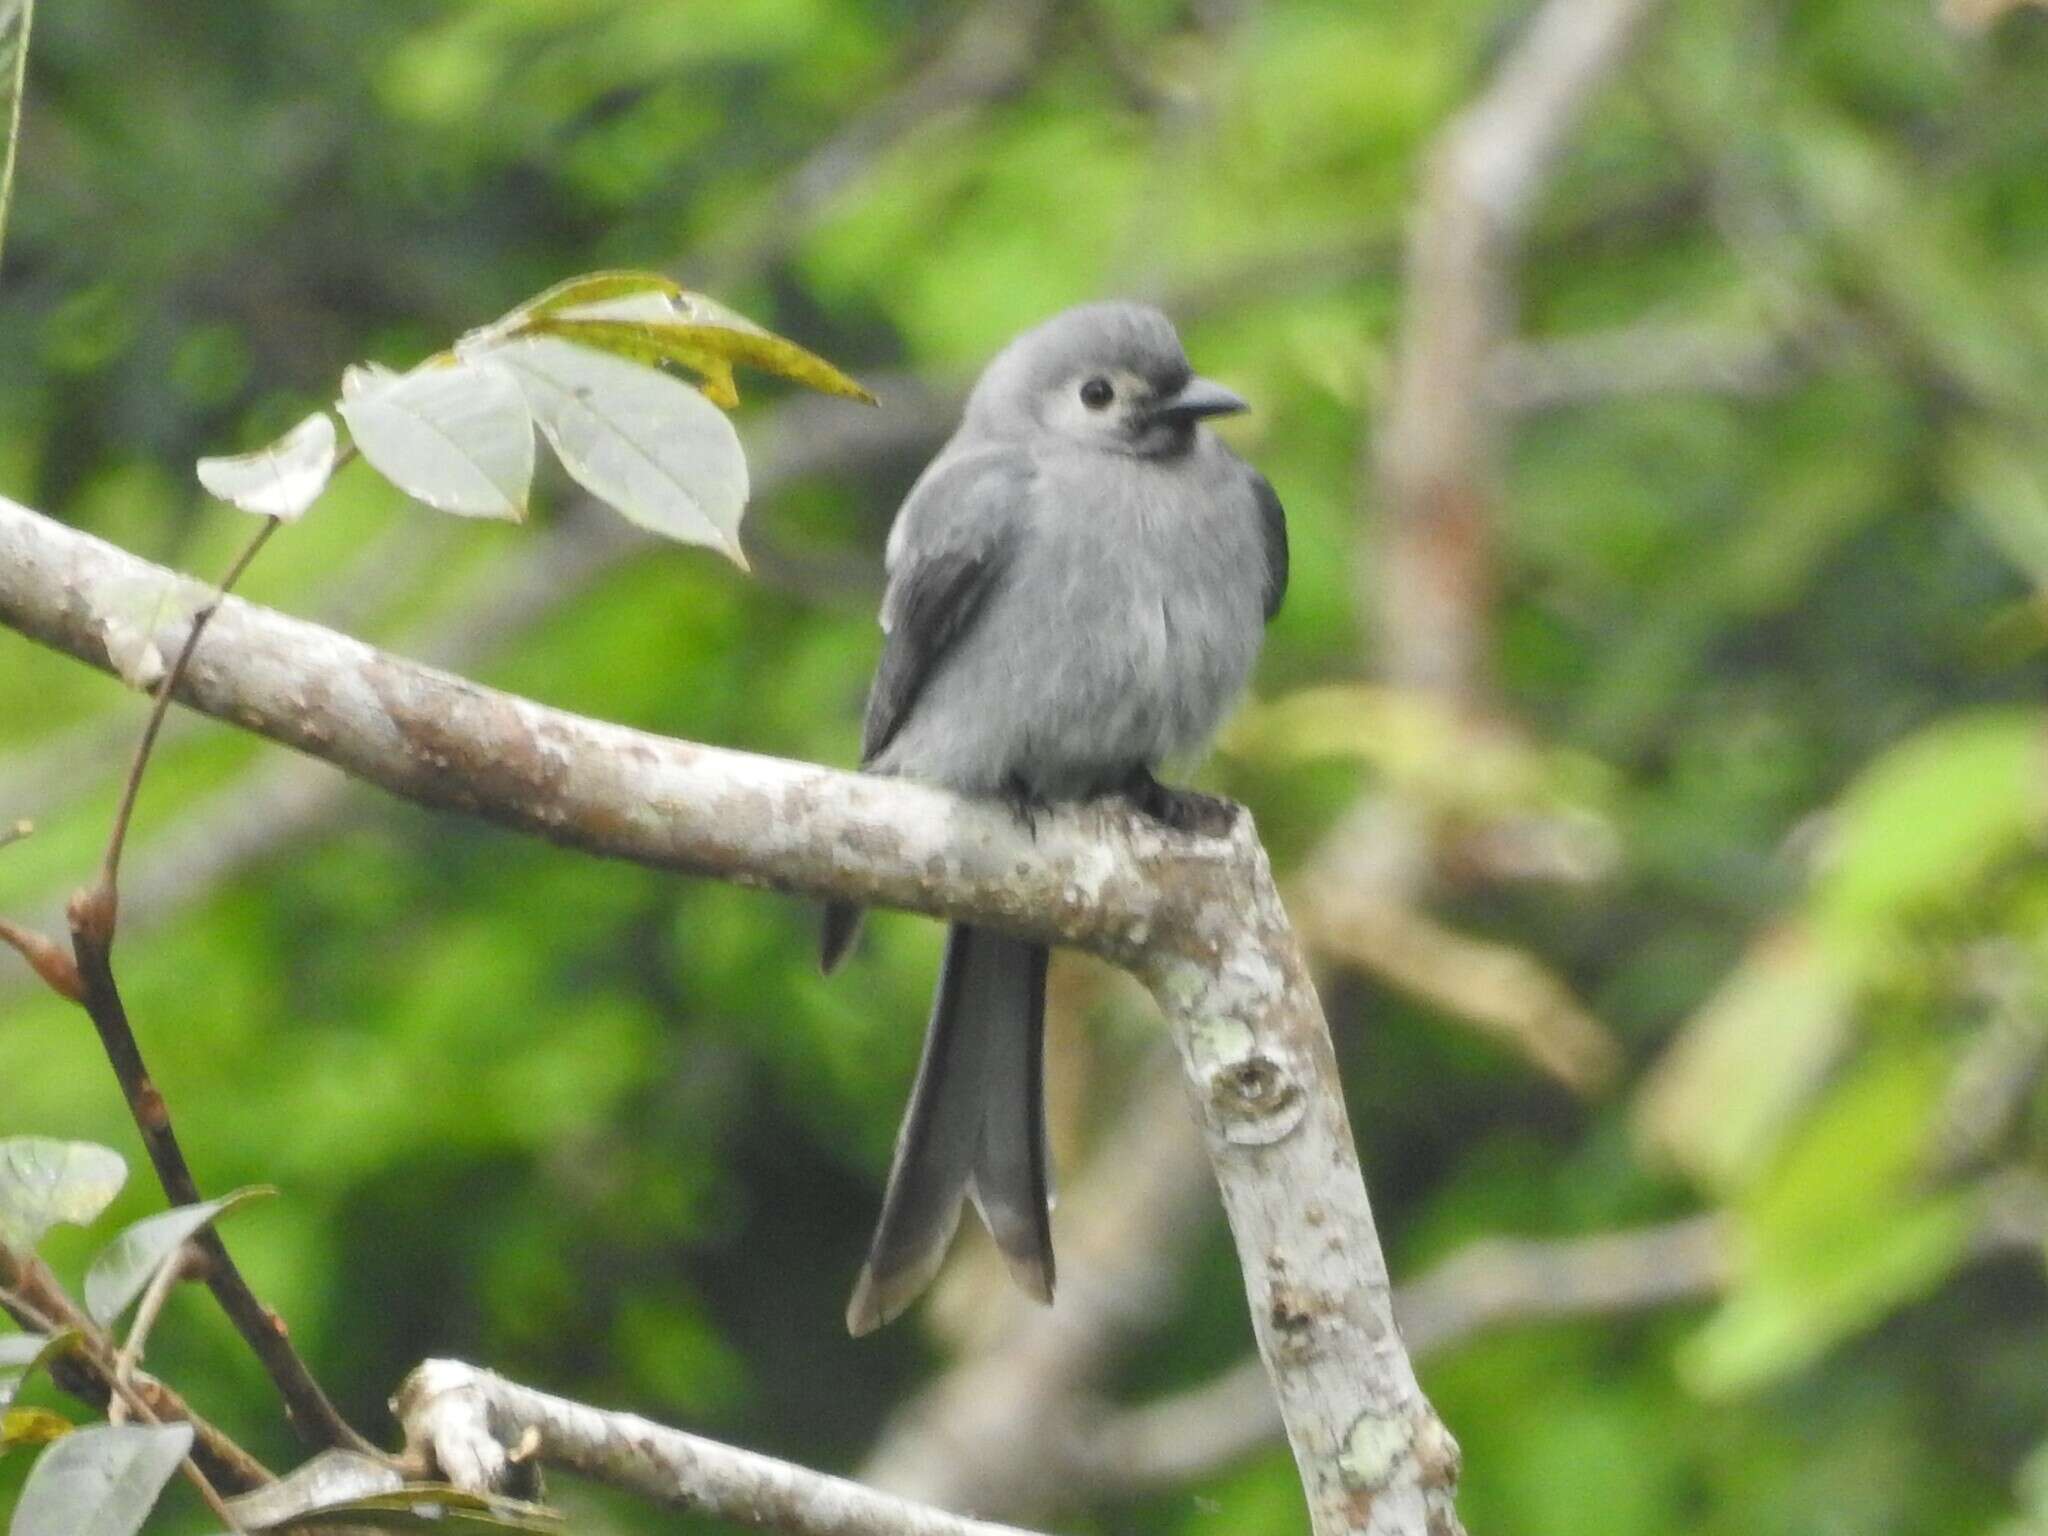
[(93, 915), (462, 1423), (125, 1393), (46, 958), (32, 1297), (306, 1405), (110, 865), (179, 1267)]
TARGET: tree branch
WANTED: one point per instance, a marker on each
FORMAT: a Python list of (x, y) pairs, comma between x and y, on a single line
[(464, 1424), (1484, 175), (306, 1405), (1197, 919), (1486, 1285)]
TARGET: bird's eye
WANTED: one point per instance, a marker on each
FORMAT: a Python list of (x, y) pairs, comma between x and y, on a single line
[(1096, 393)]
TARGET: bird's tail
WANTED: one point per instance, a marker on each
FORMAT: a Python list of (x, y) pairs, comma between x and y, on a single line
[(975, 1129), (837, 933)]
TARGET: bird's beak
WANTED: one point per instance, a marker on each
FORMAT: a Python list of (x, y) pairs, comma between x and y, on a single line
[(1199, 398)]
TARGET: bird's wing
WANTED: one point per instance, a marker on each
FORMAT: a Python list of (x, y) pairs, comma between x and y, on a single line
[(951, 541), (1273, 528)]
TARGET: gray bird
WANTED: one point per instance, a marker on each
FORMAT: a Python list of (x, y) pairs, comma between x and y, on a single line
[(1078, 586)]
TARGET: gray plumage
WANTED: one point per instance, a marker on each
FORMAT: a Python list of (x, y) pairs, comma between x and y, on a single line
[(1078, 586)]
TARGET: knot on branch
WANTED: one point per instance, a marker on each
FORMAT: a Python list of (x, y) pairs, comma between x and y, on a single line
[(445, 1409), (1249, 1091), (1255, 1092)]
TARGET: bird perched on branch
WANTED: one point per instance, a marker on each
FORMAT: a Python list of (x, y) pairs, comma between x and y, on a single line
[(1078, 586)]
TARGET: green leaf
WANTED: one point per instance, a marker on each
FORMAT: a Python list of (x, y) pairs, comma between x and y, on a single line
[(418, 1507), (650, 344), (332, 1477), (1837, 1234), (1749, 1061), (1785, 1319), (23, 1354), (125, 1266), (738, 339), (1999, 479), (1929, 817), (648, 444), (597, 288), (438, 1508), (281, 479), (656, 322), (31, 1426), (15, 17), (710, 350), (101, 1481), (44, 1183), (454, 434)]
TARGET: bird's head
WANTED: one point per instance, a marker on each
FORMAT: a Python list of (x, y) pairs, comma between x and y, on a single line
[(1111, 377)]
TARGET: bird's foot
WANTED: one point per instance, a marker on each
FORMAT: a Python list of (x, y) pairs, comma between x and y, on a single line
[(1184, 810), (1024, 805)]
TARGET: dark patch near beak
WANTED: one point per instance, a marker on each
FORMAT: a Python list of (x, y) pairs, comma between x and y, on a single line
[(1199, 398)]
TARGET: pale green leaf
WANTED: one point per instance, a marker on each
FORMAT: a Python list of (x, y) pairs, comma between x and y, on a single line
[(648, 444), (319, 1495), (332, 1477), (1837, 1233), (101, 1481), (281, 479), (44, 1183), (134, 610), (15, 17), (2001, 480), (1785, 1319), (421, 1508), (125, 1266), (1743, 1068), (454, 434), (1929, 817)]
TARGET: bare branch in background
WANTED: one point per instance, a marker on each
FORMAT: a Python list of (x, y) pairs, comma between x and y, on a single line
[(1438, 445), (1197, 919), (1524, 377), (464, 1425), (1492, 1283), (1504, 992)]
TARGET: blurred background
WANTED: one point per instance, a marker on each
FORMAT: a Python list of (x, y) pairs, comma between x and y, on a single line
[(1653, 741)]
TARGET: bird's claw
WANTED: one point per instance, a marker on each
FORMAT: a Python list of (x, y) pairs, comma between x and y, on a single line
[(1184, 810), (1024, 805)]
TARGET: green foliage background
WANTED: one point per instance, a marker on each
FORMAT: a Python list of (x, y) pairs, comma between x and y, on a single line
[(606, 1131)]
